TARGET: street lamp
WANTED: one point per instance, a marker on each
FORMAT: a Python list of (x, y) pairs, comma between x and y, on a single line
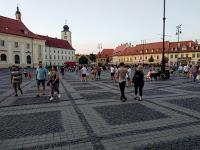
[(163, 52)]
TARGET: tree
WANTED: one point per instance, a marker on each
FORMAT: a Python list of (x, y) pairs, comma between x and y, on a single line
[(166, 59), (83, 60), (151, 59), (92, 57)]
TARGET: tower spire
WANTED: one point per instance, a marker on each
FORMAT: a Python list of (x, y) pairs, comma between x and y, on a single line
[(18, 14)]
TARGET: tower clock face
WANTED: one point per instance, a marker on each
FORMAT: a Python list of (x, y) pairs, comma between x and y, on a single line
[(65, 37)]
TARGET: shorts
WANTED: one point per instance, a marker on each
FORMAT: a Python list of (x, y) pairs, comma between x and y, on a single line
[(112, 74), (41, 81), (16, 85), (83, 75)]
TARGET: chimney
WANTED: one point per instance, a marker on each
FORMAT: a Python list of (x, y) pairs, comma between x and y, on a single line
[(179, 45), (190, 44)]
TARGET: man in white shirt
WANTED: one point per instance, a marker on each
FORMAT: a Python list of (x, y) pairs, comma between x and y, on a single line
[(112, 72), (83, 73)]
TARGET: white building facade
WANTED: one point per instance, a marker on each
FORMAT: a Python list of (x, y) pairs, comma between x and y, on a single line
[(19, 46)]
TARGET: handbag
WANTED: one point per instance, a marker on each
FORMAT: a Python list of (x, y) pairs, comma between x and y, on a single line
[(198, 77)]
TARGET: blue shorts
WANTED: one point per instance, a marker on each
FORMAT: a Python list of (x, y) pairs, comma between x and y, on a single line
[(41, 81)]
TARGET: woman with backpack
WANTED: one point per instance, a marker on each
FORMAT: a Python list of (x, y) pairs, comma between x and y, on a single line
[(138, 80)]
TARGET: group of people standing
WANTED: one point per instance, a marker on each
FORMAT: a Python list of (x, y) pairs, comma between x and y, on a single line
[(43, 77)]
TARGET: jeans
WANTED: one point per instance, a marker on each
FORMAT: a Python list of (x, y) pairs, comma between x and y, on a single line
[(122, 88), (140, 86)]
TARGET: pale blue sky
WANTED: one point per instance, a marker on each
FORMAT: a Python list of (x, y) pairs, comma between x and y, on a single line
[(110, 22)]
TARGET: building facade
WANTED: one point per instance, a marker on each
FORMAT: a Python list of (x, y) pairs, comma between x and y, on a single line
[(104, 57), (20, 46), (183, 52)]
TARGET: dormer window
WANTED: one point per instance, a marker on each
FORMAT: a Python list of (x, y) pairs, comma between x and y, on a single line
[(152, 50)]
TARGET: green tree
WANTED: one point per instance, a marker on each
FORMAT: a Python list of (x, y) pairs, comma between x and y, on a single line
[(151, 59), (92, 57), (83, 60)]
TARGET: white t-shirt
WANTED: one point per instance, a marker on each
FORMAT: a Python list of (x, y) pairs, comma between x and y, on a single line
[(112, 69), (84, 70)]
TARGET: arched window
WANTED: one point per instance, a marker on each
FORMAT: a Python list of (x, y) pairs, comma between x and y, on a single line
[(28, 58), (17, 59), (3, 57)]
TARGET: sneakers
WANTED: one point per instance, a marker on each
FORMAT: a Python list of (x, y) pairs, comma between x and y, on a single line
[(51, 98), (140, 98), (59, 95)]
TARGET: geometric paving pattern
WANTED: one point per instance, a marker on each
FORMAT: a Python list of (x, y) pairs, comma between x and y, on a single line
[(15, 126), (190, 88), (87, 88), (190, 143), (33, 100), (99, 95), (155, 92), (128, 113), (190, 103)]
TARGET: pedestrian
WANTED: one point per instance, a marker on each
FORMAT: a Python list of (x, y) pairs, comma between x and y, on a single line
[(121, 76), (54, 82), (99, 69), (16, 80), (138, 80), (194, 72), (40, 78), (112, 73), (62, 70), (83, 73), (129, 72)]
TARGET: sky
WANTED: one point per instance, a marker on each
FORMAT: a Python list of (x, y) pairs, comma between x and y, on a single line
[(109, 22)]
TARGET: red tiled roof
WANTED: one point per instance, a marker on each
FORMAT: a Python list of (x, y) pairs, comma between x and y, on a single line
[(105, 53), (15, 27), (182, 43), (58, 43), (119, 49)]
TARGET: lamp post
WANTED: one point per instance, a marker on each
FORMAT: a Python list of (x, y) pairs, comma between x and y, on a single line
[(143, 42), (178, 30), (163, 52)]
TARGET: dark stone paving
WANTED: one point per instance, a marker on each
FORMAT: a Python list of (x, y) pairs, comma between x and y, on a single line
[(190, 103), (15, 126), (155, 92), (190, 143), (128, 113), (33, 100), (99, 95), (190, 88), (80, 83), (87, 88)]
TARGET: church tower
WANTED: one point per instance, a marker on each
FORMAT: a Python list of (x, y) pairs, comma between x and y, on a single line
[(18, 14), (66, 34)]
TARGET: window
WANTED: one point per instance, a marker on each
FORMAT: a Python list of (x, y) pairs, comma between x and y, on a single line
[(39, 47), (54, 51), (28, 46), (157, 57), (3, 57), (140, 58), (45, 50), (176, 56), (62, 57), (58, 57), (186, 55), (171, 56), (198, 55), (146, 57), (193, 55), (2, 43), (54, 56), (65, 52), (62, 52), (135, 58), (46, 56), (16, 45), (182, 55), (50, 56), (58, 52), (69, 58), (28, 59), (17, 59)]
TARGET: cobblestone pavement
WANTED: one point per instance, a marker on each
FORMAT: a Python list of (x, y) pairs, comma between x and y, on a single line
[(90, 116)]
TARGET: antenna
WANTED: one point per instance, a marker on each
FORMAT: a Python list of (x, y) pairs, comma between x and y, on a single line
[(65, 21)]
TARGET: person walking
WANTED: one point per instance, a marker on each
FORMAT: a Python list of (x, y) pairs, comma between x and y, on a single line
[(54, 82), (16, 80), (112, 73), (99, 69), (138, 80), (41, 73), (194, 72), (121, 76), (83, 73)]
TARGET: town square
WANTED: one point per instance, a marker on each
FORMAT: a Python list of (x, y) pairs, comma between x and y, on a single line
[(63, 90)]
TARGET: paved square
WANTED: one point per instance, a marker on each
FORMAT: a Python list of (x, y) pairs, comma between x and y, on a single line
[(190, 103), (128, 113), (15, 126)]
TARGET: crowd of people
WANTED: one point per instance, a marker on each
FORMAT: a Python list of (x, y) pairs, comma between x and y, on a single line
[(121, 73)]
